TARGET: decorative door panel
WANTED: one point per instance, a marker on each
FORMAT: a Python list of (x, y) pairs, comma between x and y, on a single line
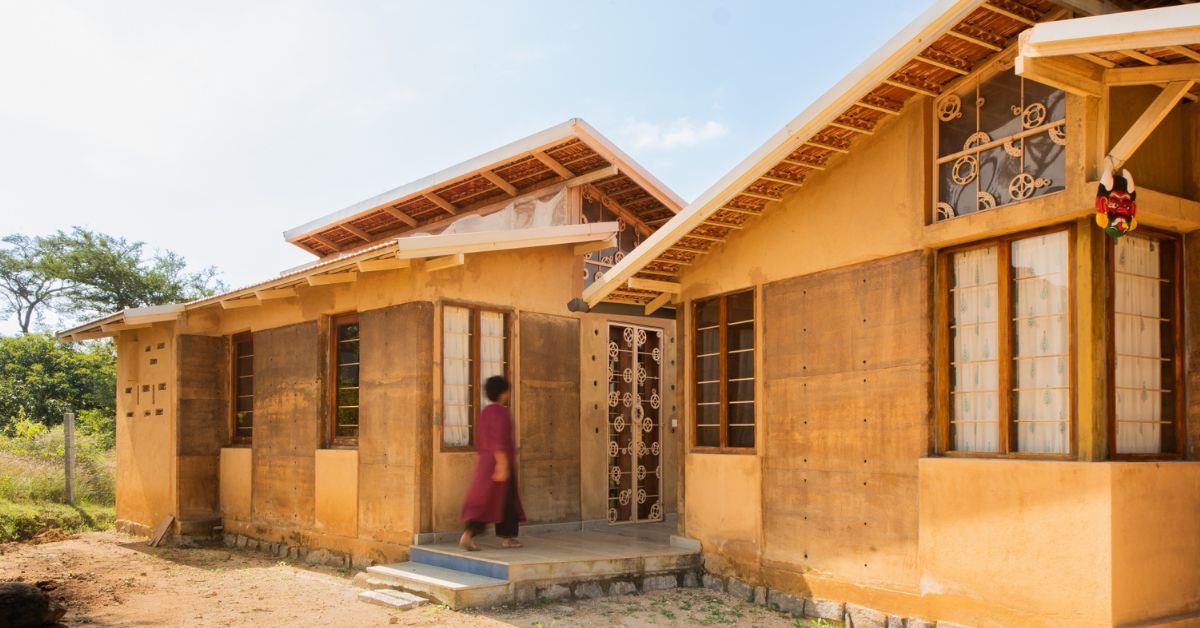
[(634, 424)]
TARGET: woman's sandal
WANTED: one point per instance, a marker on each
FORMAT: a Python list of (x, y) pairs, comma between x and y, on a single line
[(468, 544), (511, 544)]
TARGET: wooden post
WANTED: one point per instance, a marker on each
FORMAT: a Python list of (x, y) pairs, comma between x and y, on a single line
[(69, 444)]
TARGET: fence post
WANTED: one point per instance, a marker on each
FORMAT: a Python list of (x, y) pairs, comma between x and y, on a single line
[(69, 438)]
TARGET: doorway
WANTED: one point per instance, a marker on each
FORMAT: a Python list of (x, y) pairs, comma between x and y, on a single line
[(635, 355)]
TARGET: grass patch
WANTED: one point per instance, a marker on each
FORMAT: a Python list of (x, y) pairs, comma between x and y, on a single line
[(23, 520)]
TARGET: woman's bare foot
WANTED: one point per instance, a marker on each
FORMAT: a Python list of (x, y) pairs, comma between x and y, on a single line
[(510, 544), (467, 543)]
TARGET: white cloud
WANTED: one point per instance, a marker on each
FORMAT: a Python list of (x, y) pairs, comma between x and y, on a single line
[(682, 133)]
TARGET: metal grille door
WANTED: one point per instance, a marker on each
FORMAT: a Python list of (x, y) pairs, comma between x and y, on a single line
[(634, 424)]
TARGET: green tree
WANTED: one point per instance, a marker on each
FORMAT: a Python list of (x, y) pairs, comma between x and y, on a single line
[(84, 273), (30, 280), (41, 378)]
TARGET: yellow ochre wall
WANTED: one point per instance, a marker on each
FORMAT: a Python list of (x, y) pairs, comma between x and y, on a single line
[(841, 499), (370, 502)]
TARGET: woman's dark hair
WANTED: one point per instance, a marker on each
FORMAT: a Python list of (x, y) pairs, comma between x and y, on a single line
[(495, 386)]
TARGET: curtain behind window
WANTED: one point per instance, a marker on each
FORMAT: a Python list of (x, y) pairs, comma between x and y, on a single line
[(975, 405), (1041, 344), (1137, 329), (456, 376)]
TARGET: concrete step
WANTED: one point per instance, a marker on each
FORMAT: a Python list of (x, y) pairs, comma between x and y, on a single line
[(454, 588), (458, 561), (391, 598)]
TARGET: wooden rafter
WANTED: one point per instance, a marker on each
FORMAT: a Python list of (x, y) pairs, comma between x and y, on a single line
[(617, 209), (657, 302), (812, 164), (1012, 15), (655, 285), (326, 241), (446, 205), (945, 61), (700, 236), (847, 123), (275, 293), (880, 104), (783, 181), (401, 216), (722, 224), (497, 181), (376, 265), (1140, 56), (361, 234), (1148, 121), (448, 261), (550, 163), (909, 84), (972, 39), (829, 144), (688, 249), (332, 278), (742, 210), (760, 196), (1186, 52)]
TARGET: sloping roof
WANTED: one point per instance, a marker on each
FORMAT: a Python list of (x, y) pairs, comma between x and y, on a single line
[(390, 254), (945, 43), (563, 152)]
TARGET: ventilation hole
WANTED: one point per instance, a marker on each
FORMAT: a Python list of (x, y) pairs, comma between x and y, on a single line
[(153, 361), (162, 345), (162, 386), (158, 412), (146, 388), (129, 415), (129, 391), (146, 413), (147, 348)]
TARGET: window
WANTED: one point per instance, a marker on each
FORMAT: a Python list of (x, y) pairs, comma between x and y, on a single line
[(474, 348), (596, 263), (1147, 408), (243, 388), (724, 371), (1009, 314), (999, 141), (343, 425)]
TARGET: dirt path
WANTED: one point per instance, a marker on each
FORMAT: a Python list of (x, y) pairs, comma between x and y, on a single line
[(109, 579)]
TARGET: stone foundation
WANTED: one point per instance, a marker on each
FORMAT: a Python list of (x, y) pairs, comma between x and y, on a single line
[(312, 556)]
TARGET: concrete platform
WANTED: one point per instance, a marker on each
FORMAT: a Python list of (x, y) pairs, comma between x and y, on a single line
[(551, 565)]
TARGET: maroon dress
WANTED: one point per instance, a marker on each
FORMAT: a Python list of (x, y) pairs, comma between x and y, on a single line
[(486, 499)]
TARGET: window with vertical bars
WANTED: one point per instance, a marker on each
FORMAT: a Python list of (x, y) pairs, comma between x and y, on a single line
[(345, 360), (724, 371), (1009, 345), (243, 388), (474, 348), (1146, 404)]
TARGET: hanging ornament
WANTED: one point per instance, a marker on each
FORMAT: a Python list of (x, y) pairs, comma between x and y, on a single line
[(1116, 203)]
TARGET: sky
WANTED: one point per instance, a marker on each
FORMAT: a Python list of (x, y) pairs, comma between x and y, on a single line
[(208, 128)]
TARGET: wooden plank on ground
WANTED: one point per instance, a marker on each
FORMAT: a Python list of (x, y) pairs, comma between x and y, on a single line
[(160, 531)]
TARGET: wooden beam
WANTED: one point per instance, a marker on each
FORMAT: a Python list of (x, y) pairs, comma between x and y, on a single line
[(376, 265), (910, 87), (1071, 75), (656, 285), (700, 236), (1144, 58), (1093, 7), (584, 248), (358, 233), (233, 304), (845, 126), (1098, 60), (1148, 121), (442, 263), (1186, 52), (741, 210), (827, 146), (864, 103), (1152, 75), (765, 197), (552, 164), (974, 40), (1008, 14), (657, 302), (326, 241), (941, 64), (275, 293), (446, 205), (401, 216), (688, 249), (595, 175), (720, 223), (774, 179), (618, 209), (812, 165), (332, 278), (499, 182)]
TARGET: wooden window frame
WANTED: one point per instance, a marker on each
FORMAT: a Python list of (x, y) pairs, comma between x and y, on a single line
[(961, 87), (334, 441), (1111, 351), (234, 439), (723, 350), (943, 319), (476, 385)]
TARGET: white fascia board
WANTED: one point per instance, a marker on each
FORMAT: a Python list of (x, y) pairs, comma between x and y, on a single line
[(438, 245), (506, 152), (915, 37), (1148, 28)]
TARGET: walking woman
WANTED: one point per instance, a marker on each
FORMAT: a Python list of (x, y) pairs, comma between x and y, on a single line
[(492, 496)]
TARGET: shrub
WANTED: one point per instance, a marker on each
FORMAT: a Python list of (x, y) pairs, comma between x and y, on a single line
[(20, 521), (32, 467)]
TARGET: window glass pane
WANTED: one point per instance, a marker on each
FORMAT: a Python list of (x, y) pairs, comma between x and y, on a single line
[(708, 436), (708, 392), (347, 422), (348, 331), (1041, 344), (975, 407), (491, 349), (243, 387), (740, 364), (708, 342), (1143, 334), (346, 357), (456, 376), (708, 313), (741, 307), (245, 365), (348, 375)]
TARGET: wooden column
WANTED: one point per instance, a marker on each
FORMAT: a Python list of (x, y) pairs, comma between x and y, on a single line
[(1091, 340)]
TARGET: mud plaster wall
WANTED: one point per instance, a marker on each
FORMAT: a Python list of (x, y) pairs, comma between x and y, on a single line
[(203, 423), (289, 404), (549, 417), (146, 464), (846, 416)]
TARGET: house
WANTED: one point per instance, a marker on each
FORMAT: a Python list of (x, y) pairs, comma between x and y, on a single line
[(332, 407), (917, 376)]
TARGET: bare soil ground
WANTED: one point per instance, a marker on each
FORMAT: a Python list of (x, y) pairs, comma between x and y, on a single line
[(109, 579)]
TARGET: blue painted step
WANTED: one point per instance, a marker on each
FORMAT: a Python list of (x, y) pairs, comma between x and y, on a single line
[(418, 554)]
